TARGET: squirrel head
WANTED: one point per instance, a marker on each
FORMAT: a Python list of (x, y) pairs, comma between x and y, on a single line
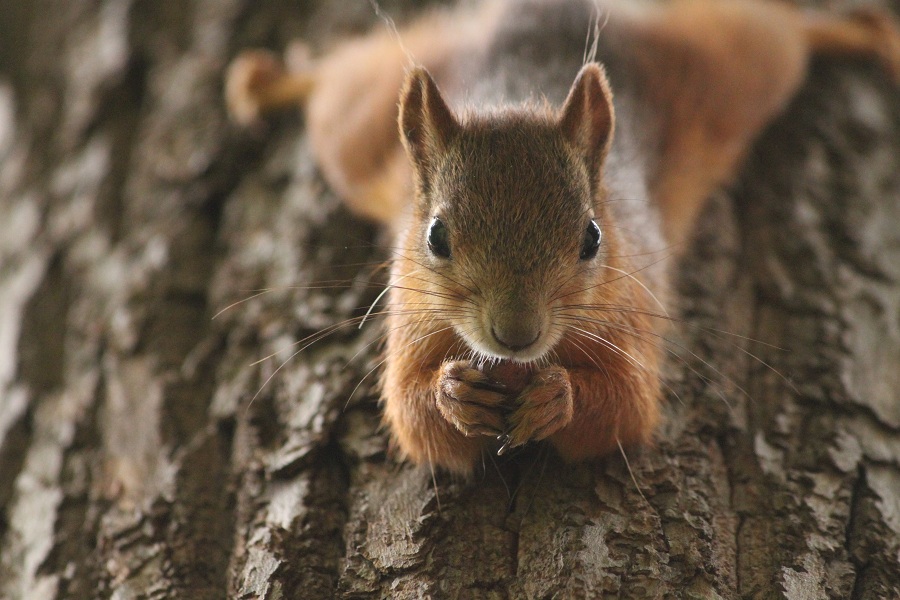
[(509, 225)]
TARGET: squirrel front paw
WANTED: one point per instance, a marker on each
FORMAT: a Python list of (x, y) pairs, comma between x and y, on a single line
[(544, 407), (470, 400)]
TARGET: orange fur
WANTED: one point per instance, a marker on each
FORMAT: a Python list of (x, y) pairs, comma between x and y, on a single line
[(713, 74)]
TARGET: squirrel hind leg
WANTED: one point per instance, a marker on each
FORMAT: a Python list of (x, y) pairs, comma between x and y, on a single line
[(869, 33), (258, 83)]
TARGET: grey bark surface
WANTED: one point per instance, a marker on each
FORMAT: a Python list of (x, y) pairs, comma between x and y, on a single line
[(144, 454)]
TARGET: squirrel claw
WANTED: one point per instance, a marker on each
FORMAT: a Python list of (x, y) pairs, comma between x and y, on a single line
[(507, 441), (511, 441)]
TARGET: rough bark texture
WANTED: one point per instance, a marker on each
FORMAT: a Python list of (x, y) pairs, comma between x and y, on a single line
[(137, 459)]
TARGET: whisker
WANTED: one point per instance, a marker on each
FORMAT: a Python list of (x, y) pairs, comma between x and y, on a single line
[(592, 358), (239, 302), (680, 321), (320, 285), (377, 298), (594, 337), (323, 333), (640, 283), (599, 338), (317, 337), (639, 333), (609, 281), (385, 359), (630, 471), (397, 253), (716, 333), (384, 335)]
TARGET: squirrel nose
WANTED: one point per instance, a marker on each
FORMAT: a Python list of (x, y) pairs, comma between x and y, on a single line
[(517, 335)]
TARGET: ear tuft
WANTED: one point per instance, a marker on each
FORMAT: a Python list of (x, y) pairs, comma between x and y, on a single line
[(426, 123), (587, 117)]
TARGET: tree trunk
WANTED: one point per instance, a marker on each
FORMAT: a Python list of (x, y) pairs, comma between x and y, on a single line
[(145, 454)]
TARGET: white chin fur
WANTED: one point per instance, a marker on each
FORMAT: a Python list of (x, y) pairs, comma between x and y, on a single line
[(493, 350)]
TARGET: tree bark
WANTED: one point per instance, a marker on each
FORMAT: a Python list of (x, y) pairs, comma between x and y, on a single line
[(145, 454)]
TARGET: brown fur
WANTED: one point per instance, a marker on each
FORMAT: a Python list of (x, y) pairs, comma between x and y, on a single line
[(514, 186)]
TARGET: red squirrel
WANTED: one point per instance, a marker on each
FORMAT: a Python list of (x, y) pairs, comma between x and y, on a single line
[(527, 288)]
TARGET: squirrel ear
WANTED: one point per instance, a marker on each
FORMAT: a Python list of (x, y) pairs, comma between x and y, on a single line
[(587, 117), (426, 123)]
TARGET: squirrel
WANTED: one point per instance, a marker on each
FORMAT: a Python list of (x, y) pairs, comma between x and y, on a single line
[(527, 290)]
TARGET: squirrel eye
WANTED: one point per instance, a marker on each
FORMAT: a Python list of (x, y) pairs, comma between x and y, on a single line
[(439, 238), (591, 242)]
